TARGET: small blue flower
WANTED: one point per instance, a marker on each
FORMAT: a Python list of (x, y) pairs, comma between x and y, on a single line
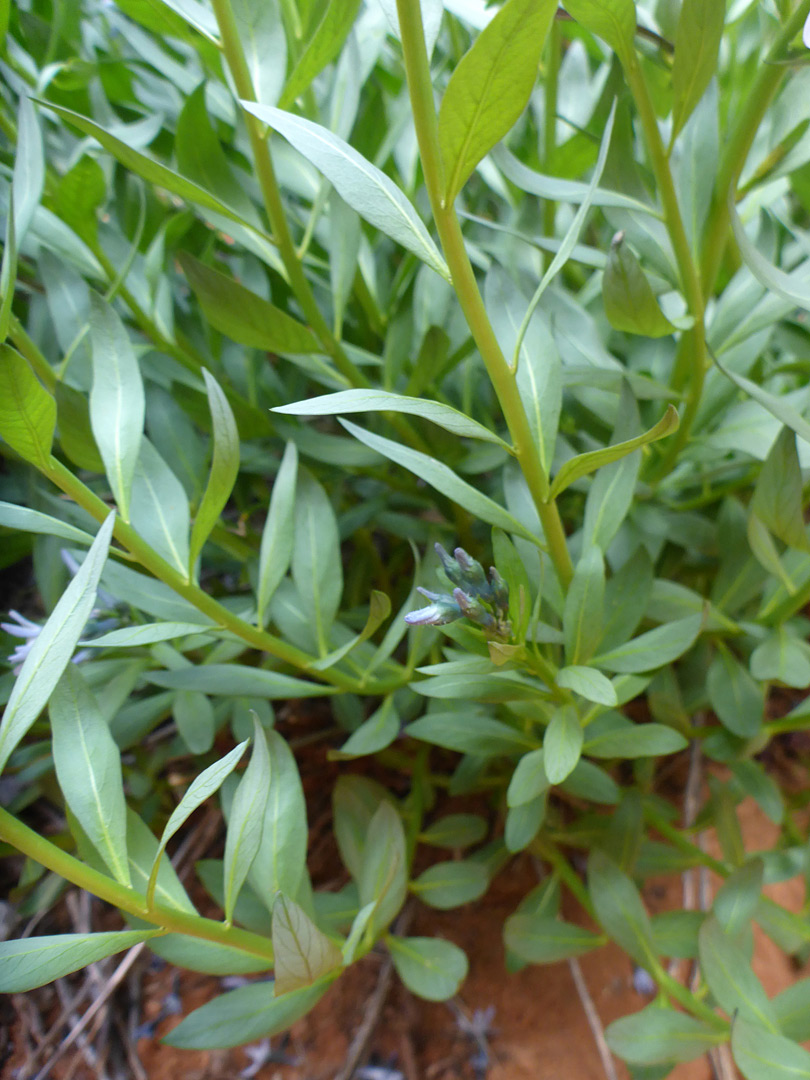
[(806, 34), (443, 610)]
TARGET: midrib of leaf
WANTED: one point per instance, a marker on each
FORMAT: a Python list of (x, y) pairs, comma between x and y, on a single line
[(453, 184), (763, 1018), (316, 592)]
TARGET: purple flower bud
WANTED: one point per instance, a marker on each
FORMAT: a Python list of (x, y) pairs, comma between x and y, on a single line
[(500, 590), (441, 611), (473, 609), (450, 566), (475, 580)]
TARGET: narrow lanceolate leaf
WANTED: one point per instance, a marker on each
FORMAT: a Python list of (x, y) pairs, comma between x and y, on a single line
[(53, 648), (364, 187), (588, 683), (276, 547), (224, 468), (490, 87), (612, 20), (27, 520), (733, 984), (158, 507), (619, 907), (432, 11), (441, 477), (384, 870), (379, 609), (353, 401), (656, 1036), (583, 464), (775, 405), (778, 501), (34, 961), (430, 967), (302, 952), (8, 271), (261, 34), (791, 287), (316, 564), (630, 303), (540, 939), (280, 865), (582, 615), (654, 648), (697, 44), (562, 744), (243, 315), (116, 400), (88, 768), (244, 1015), (200, 789), (763, 1055), (246, 820), (29, 168), (27, 410), (149, 169), (322, 48)]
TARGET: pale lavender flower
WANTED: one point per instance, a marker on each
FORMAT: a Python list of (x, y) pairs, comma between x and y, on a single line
[(441, 611), (806, 34), (20, 628)]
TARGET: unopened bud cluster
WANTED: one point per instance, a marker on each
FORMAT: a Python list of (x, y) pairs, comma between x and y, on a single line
[(481, 599)]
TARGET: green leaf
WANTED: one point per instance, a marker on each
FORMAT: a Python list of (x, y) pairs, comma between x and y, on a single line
[(158, 508), (200, 789), (280, 864), (734, 695), (588, 781), (490, 87), (675, 933), (130, 637), (469, 732), (8, 271), (75, 433), (27, 410), (243, 315), (352, 401), (150, 170), (384, 870), (657, 1035), (562, 744), (374, 196), (523, 823), (539, 939), (588, 683), (245, 1015), (697, 45), (764, 1055), (792, 1009), (431, 968), (654, 648), (619, 908), (51, 651), (783, 658), (439, 476), (791, 287), (355, 801), (261, 35), (234, 680), (245, 824), (584, 602), (117, 403), (612, 20), (183, 950), (317, 569), (374, 734), (738, 897), (277, 536), (455, 831), (583, 464), (303, 953), (24, 519), (612, 489), (729, 976), (776, 406), (322, 48), (28, 178), (630, 303), (224, 468), (142, 846), (34, 961), (529, 780), (88, 768), (450, 884), (777, 499), (628, 740)]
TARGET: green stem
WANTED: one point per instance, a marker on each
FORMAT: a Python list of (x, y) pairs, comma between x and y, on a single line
[(134, 903), (265, 173), (737, 148), (258, 639), (692, 346), (466, 287), (550, 88)]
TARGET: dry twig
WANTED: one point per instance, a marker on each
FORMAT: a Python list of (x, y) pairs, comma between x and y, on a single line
[(594, 1023)]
